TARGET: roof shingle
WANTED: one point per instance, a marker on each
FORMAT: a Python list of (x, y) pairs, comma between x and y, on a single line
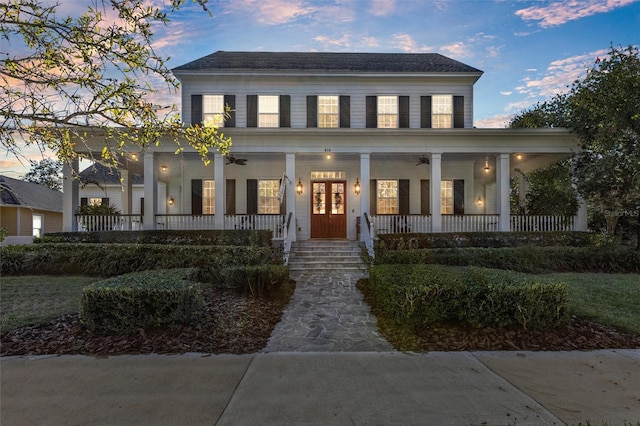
[(14, 192), (327, 62)]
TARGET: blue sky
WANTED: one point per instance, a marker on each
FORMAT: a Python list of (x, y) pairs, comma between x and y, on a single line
[(528, 50)]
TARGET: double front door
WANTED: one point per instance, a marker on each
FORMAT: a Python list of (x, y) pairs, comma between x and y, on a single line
[(328, 209)]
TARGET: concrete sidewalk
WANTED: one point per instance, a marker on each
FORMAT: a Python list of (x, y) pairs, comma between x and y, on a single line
[(315, 388)]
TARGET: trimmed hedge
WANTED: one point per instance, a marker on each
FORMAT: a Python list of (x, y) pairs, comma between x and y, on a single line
[(524, 259), (493, 240), (175, 237), (426, 295), (258, 280), (116, 259), (141, 300)]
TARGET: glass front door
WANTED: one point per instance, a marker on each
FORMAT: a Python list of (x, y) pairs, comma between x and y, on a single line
[(328, 207)]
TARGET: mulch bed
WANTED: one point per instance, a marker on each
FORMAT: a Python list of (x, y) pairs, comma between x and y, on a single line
[(235, 324)]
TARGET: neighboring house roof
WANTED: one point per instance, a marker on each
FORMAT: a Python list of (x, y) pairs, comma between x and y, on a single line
[(328, 62), (18, 193), (102, 175)]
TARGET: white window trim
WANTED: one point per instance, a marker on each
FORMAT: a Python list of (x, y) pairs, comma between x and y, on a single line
[(335, 116), (380, 198), (394, 115), (41, 228), (446, 201), (213, 118), (270, 114), (436, 113), (208, 196), (269, 203)]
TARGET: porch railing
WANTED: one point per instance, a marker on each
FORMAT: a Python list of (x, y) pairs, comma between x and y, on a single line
[(114, 222), (185, 221), (470, 223), (542, 223), (272, 222)]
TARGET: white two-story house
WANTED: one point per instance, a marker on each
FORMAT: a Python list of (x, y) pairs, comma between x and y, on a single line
[(340, 145)]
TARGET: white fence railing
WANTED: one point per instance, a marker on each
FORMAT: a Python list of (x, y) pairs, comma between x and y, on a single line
[(401, 224), (542, 223), (185, 221), (272, 222), (470, 223), (113, 222)]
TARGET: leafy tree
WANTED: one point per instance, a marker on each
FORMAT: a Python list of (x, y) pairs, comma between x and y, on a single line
[(603, 109), (46, 172), (69, 79)]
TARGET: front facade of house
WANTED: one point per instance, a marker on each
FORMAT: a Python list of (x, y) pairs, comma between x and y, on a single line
[(28, 210), (340, 145)]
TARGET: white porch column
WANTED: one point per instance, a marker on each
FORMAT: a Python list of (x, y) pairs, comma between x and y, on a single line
[(523, 185), (365, 192), (503, 188), (150, 191), (70, 197), (435, 196), (220, 184), (290, 192), (582, 221)]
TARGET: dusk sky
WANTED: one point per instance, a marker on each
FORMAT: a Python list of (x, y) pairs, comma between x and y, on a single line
[(528, 50)]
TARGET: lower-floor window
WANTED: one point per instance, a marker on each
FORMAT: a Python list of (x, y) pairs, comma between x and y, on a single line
[(446, 197), (38, 225), (387, 195), (208, 197), (268, 201)]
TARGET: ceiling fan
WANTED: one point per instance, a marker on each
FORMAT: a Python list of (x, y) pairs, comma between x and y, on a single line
[(423, 160), (239, 161)]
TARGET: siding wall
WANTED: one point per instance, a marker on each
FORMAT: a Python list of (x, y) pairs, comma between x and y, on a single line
[(299, 88)]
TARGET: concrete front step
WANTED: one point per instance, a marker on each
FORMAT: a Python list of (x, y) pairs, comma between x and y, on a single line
[(325, 255)]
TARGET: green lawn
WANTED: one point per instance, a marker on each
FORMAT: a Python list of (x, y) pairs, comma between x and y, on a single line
[(34, 299), (612, 299)]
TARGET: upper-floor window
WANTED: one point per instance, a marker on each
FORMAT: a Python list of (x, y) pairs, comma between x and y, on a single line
[(38, 225), (442, 111), (213, 110), (208, 197), (387, 112), (268, 111), (268, 200), (328, 111)]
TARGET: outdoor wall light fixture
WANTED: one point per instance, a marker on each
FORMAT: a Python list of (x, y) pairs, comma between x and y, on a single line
[(163, 167), (356, 187), (171, 201), (486, 166), (479, 201), (299, 187)]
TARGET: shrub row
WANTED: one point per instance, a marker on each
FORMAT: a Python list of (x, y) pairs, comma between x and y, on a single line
[(176, 237), (493, 240), (141, 300), (116, 259), (524, 259), (270, 281), (426, 295)]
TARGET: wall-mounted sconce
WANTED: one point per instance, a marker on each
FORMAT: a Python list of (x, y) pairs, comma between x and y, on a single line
[(163, 167), (519, 156), (134, 156), (356, 187), (299, 187), (487, 169), (171, 201), (479, 201)]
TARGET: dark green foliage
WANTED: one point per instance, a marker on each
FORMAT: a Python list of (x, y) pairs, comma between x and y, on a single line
[(182, 237), (492, 240), (141, 300), (257, 280), (524, 259), (426, 295), (115, 259)]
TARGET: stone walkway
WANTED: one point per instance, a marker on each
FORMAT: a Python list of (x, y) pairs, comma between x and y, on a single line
[(327, 314)]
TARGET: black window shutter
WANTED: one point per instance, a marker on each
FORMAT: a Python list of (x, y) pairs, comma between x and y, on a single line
[(285, 111), (425, 196), (230, 195), (373, 197), (458, 112), (312, 111), (252, 196), (84, 201), (196, 196), (252, 110), (142, 206), (403, 112), (458, 196), (372, 112), (104, 201), (345, 111), (230, 101), (403, 196), (196, 110), (425, 112)]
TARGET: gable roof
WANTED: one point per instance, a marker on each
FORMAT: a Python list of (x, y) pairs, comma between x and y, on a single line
[(100, 175), (327, 62), (18, 193)]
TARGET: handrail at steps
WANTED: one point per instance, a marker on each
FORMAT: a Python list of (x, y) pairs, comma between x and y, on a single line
[(288, 237), (368, 235)]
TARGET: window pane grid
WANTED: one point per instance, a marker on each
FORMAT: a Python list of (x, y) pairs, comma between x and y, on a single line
[(208, 197), (446, 197), (268, 108), (268, 201), (328, 111), (442, 111), (387, 112), (387, 195), (213, 110), (37, 220)]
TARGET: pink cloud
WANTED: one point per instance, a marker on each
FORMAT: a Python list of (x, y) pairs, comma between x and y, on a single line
[(561, 12)]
